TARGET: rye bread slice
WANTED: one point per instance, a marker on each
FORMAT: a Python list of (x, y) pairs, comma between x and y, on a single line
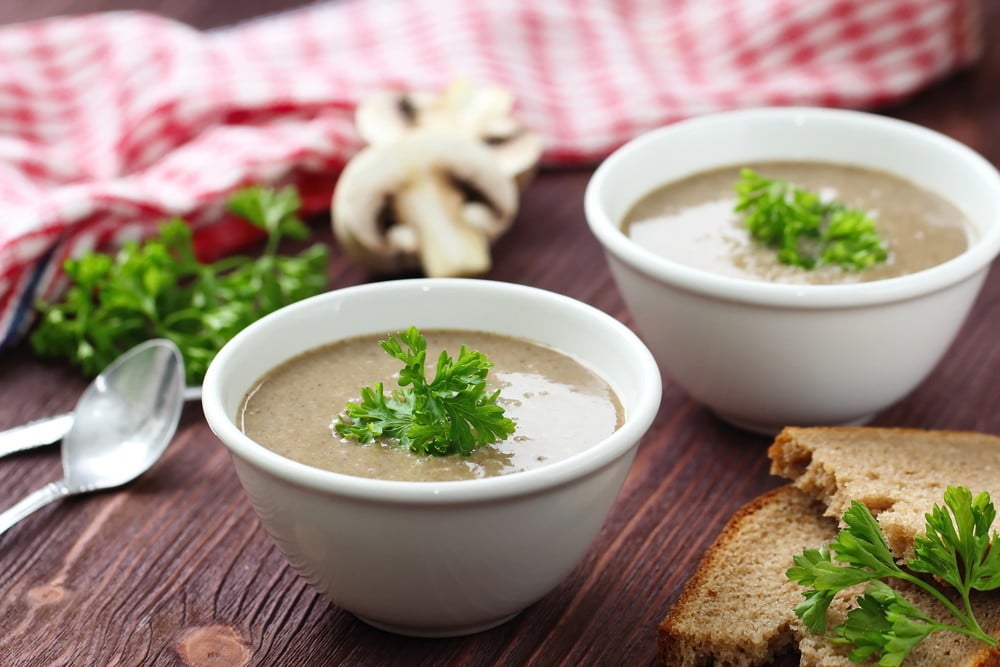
[(737, 609), (900, 474)]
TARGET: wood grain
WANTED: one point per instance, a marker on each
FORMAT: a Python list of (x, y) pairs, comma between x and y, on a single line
[(175, 569)]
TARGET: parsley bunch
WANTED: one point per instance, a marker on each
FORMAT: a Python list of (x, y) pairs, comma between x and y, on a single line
[(805, 230), (159, 289), (451, 414), (956, 549)]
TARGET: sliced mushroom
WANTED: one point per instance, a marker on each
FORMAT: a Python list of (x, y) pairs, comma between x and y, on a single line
[(431, 199), (486, 114)]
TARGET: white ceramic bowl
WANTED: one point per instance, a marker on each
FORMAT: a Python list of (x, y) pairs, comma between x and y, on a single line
[(429, 558), (765, 355)]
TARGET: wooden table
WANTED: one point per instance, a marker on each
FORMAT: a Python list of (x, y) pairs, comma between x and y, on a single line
[(175, 568)]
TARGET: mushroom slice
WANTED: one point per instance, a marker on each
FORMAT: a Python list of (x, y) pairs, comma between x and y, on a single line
[(484, 113), (431, 199), (386, 115)]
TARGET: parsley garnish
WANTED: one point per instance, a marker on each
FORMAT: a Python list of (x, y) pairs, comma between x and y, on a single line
[(956, 549), (159, 289), (805, 230), (451, 414)]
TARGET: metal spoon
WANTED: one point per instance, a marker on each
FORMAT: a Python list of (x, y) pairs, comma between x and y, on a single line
[(48, 430), (121, 425)]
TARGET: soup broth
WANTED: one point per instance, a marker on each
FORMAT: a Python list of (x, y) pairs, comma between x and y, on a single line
[(559, 406), (692, 222)]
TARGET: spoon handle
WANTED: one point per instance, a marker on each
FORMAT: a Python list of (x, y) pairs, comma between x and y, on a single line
[(40, 432), (33, 501), (47, 430)]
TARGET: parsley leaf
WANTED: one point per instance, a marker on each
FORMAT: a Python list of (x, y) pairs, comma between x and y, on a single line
[(159, 289), (805, 230), (863, 545), (957, 548), (451, 414), (816, 569), (884, 624)]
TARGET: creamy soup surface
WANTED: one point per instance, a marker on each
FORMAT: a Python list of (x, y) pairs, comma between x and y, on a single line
[(692, 222), (559, 405)]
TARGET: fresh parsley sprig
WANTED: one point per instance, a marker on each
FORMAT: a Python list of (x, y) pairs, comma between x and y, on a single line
[(159, 288), (451, 414), (957, 548), (805, 230)]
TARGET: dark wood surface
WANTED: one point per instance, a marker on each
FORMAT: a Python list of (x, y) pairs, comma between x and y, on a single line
[(175, 569)]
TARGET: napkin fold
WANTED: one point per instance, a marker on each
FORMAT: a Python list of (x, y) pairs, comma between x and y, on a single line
[(111, 123)]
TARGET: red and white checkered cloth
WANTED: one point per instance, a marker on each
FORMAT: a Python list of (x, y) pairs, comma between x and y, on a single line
[(111, 123)]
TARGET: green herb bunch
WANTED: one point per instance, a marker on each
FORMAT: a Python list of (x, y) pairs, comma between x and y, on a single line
[(451, 414), (957, 549), (805, 230), (159, 289)]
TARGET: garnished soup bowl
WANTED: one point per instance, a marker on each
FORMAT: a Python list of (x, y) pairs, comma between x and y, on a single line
[(434, 558), (761, 354)]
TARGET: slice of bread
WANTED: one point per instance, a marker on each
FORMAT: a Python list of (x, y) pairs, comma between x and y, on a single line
[(900, 474), (737, 609)]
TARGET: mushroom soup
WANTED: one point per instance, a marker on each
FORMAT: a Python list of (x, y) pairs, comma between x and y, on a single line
[(691, 221), (559, 405)]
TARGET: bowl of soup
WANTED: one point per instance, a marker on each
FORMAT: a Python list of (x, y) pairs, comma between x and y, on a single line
[(764, 344), (433, 545)]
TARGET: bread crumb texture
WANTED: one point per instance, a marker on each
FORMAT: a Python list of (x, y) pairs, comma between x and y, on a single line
[(898, 473)]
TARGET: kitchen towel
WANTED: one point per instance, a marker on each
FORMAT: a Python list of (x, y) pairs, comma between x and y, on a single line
[(111, 123)]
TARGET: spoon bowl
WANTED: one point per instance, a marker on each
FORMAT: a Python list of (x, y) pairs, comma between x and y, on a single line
[(122, 424)]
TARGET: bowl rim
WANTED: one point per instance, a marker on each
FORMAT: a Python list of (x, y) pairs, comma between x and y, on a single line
[(639, 415), (975, 258)]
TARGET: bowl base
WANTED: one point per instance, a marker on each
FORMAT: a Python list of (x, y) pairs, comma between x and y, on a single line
[(771, 429), (433, 633)]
